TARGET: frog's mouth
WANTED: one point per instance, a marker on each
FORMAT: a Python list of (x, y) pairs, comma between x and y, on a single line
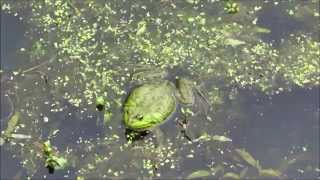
[(138, 125), (135, 122), (139, 122)]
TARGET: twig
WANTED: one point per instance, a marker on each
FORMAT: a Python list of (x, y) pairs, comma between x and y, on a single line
[(39, 65)]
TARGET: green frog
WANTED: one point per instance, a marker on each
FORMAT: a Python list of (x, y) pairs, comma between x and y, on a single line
[(156, 98)]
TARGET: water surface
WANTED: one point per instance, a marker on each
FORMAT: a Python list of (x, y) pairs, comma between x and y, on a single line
[(260, 97)]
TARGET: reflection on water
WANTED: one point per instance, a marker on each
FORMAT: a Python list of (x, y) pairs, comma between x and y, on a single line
[(12, 39), (279, 129), (281, 126)]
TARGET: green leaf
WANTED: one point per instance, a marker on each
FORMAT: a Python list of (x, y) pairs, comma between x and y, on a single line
[(51, 162), (56, 162), (100, 101), (47, 148), (199, 174), (62, 162)]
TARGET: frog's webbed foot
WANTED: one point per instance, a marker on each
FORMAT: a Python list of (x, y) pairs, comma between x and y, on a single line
[(183, 123), (185, 135), (204, 103)]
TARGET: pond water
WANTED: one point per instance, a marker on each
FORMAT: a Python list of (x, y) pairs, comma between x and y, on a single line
[(257, 68)]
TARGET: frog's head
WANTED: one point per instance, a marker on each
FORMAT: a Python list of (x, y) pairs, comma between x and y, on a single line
[(138, 121)]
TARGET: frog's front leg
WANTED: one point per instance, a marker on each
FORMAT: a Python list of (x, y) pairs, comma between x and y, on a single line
[(184, 92), (189, 92)]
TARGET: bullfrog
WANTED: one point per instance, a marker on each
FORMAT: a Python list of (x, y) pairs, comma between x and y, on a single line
[(155, 99)]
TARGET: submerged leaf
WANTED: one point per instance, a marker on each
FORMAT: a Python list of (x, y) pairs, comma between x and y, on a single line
[(198, 174), (231, 175), (248, 158), (217, 168), (207, 137), (221, 138), (269, 173), (261, 30), (243, 172), (20, 136), (12, 123)]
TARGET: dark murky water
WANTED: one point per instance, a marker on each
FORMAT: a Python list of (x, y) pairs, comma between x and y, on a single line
[(270, 127)]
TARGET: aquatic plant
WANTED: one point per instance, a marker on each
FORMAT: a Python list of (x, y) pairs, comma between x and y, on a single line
[(52, 161)]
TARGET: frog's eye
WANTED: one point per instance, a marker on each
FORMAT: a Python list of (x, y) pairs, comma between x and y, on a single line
[(139, 117)]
